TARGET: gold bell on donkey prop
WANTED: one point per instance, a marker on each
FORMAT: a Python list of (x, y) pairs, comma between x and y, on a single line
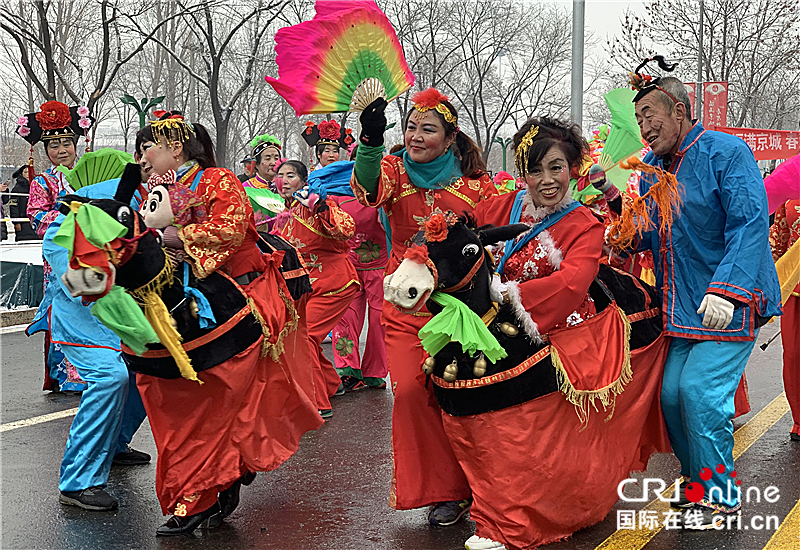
[(479, 368), (428, 365), (508, 329), (194, 310), (451, 372)]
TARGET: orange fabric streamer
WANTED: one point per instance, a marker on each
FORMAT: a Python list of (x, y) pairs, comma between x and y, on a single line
[(635, 219)]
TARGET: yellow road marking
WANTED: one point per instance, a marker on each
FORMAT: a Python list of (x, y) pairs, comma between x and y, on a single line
[(743, 438), (37, 420), (787, 537)]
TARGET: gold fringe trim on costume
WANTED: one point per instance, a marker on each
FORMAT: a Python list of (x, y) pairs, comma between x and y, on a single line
[(265, 343), (164, 278), (582, 399), (294, 318), (635, 219), (158, 316)]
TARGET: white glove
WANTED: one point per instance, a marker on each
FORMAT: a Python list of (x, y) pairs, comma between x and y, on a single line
[(307, 199), (498, 290), (718, 311)]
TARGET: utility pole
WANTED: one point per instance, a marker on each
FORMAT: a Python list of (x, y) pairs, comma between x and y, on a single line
[(578, 16), (698, 90)]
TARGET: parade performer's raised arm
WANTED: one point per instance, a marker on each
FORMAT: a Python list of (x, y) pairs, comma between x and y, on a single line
[(703, 213), (319, 229), (439, 170)]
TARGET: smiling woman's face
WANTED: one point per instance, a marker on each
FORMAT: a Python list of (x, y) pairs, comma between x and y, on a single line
[(548, 181), (425, 139)]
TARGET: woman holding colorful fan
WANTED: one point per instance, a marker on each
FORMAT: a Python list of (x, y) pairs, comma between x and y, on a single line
[(439, 170)]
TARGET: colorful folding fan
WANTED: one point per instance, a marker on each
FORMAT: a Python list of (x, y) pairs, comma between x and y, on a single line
[(264, 200), (624, 137), (342, 60)]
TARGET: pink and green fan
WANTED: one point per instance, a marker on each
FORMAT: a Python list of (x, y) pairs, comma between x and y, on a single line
[(342, 60), (624, 137)]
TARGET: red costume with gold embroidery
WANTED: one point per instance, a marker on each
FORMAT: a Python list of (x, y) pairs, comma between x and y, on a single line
[(206, 434), (418, 438), (784, 233), (321, 238)]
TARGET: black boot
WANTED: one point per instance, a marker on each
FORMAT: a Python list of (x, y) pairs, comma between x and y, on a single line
[(176, 525), (229, 498), (130, 457)]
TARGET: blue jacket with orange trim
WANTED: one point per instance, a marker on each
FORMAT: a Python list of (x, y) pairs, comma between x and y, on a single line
[(720, 239)]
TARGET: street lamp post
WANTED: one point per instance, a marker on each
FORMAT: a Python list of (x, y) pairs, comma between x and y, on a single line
[(142, 106), (504, 143)]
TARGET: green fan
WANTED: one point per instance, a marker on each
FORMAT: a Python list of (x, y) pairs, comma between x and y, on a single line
[(264, 200), (624, 137), (96, 166)]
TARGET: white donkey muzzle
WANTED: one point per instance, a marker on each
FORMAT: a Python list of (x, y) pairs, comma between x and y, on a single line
[(409, 286), (86, 282)]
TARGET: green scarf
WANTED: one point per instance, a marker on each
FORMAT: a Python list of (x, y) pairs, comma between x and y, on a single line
[(98, 227), (118, 311), (437, 174), (457, 323)]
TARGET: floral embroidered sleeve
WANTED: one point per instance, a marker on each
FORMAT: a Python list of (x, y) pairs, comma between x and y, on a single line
[(337, 223), (41, 206), (779, 233), (384, 188), (212, 242)]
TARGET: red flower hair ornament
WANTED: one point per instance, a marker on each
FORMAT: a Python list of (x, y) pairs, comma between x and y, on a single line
[(53, 115), (330, 130), (436, 228)]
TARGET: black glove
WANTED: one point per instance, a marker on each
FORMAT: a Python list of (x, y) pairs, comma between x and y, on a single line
[(373, 123)]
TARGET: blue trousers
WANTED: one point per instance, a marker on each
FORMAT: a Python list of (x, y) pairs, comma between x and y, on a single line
[(700, 381), (110, 412)]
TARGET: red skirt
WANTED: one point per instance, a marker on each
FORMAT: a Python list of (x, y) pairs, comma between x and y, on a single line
[(248, 415), (537, 478)]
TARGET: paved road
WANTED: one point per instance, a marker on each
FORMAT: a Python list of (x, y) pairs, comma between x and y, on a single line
[(333, 493)]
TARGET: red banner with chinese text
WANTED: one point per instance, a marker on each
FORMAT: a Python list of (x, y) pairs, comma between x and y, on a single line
[(715, 104), (767, 144)]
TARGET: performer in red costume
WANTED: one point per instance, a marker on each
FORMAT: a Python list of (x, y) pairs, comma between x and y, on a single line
[(319, 230), (439, 170), (783, 234), (208, 442)]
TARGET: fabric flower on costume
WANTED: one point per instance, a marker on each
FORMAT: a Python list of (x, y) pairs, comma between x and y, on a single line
[(309, 127), (53, 115), (83, 111), (368, 251), (22, 121), (24, 131), (344, 346), (436, 228), (330, 130), (84, 123)]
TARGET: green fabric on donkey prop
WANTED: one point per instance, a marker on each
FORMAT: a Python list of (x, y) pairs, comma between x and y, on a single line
[(457, 323), (118, 311)]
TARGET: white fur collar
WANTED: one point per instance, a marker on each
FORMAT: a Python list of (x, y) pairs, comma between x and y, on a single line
[(539, 212)]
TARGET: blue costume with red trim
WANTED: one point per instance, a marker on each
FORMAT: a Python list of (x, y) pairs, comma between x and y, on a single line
[(719, 244)]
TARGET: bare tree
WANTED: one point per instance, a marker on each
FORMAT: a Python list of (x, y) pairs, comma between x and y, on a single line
[(752, 44), (213, 28)]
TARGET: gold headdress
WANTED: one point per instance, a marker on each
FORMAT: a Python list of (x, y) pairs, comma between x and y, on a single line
[(432, 99), (521, 154), (171, 126)]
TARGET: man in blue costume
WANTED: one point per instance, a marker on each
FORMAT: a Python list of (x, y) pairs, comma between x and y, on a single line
[(111, 409), (717, 281)]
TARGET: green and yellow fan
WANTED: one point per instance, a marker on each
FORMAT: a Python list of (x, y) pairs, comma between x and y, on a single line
[(624, 137), (96, 166), (342, 60), (265, 201)]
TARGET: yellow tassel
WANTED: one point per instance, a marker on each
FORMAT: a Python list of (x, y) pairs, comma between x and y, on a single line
[(163, 279), (277, 349), (266, 345), (582, 399), (158, 316)]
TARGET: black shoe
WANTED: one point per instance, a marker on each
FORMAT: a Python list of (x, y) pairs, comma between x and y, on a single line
[(326, 413), (794, 437), (448, 513), (93, 498), (683, 502), (339, 390), (176, 525), (351, 383), (229, 498), (131, 457)]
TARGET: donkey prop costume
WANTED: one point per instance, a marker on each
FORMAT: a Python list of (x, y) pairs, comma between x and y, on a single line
[(520, 443)]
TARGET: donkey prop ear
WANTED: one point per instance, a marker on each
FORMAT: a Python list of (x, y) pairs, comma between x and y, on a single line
[(128, 184), (492, 235), (65, 201)]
